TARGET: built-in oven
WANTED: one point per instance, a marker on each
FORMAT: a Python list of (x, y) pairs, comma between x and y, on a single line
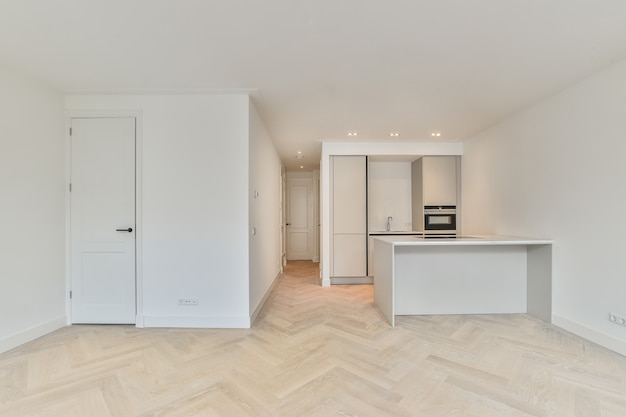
[(440, 219)]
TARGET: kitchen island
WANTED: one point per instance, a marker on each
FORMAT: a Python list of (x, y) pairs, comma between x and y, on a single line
[(414, 275)]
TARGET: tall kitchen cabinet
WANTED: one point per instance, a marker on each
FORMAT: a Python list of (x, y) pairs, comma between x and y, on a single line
[(435, 182), (348, 218)]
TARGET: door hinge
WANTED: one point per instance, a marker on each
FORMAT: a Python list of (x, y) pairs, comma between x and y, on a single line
[(70, 131), (70, 295), (70, 187)]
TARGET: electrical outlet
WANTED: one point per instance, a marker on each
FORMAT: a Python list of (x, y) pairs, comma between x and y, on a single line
[(617, 319), (188, 301)]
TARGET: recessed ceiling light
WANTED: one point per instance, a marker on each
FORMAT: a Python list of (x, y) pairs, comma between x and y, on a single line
[(301, 166), (436, 134), (353, 134), (394, 134)]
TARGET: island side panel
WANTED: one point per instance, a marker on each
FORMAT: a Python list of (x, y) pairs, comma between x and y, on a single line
[(460, 279), (384, 278), (540, 282)]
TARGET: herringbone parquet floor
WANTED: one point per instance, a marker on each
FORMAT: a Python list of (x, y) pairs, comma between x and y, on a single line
[(317, 352)]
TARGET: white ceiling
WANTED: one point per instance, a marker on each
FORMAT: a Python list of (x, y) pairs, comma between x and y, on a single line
[(321, 68)]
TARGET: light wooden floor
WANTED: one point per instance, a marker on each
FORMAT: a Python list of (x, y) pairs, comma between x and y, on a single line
[(317, 352)]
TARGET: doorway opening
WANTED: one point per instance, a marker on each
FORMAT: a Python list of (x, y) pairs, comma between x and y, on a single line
[(302, 224)]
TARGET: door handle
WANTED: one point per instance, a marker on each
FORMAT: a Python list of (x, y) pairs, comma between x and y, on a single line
[(130, 229), (287, 224)]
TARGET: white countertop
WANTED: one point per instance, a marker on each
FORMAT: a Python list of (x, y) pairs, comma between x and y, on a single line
[(394, 232), (470, 240)]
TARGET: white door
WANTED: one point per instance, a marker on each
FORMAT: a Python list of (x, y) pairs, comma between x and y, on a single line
[(103, 220), (283, 220), (299, 219)]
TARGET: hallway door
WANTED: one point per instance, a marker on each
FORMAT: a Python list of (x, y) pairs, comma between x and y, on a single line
[(300, 236), (102, 212)]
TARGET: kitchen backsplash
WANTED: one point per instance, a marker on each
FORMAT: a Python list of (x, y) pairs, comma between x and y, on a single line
[(389, 195)]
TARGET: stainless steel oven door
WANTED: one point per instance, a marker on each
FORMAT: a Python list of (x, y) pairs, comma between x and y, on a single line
[(440, 221)]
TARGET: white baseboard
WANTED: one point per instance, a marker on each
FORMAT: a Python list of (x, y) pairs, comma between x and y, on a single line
[(259, 307), (601, 339), (351, 280), (32, 333), (202, 322)]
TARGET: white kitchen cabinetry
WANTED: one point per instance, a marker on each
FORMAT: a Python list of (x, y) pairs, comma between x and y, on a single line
[(435, 182), (439, 180), (349, 255), (348, 216)]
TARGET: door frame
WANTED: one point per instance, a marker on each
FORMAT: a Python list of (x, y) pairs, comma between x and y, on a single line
[(316, 216), (283, 218), (137, 114), (309, 178)]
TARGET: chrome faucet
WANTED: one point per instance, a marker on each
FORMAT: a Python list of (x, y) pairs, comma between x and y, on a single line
[(389, 219)]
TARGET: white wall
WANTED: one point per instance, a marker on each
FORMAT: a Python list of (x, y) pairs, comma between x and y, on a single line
[(389, 194), (265, 212), (195, 200), (557, 171), (32, 219)]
